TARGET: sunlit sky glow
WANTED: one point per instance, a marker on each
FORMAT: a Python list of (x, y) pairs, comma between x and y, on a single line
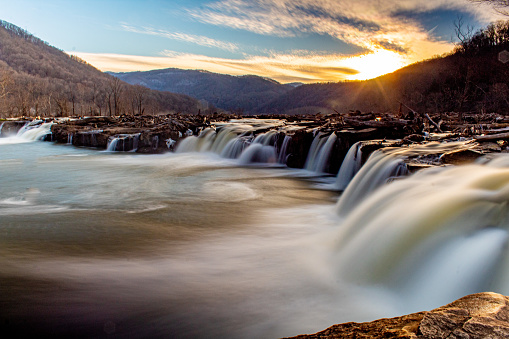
[(287, 40)]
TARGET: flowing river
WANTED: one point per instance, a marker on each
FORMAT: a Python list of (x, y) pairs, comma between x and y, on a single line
[(198, 245)]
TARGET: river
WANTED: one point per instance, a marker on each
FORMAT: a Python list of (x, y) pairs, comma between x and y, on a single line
[(195, 245)]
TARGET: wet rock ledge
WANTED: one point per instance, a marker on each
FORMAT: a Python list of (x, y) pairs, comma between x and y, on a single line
[(152, 134), (481, 315)]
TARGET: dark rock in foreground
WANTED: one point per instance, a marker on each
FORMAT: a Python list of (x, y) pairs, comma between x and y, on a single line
[(481, 315)]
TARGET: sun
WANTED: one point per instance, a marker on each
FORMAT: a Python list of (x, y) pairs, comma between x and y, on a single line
[(375, 64)]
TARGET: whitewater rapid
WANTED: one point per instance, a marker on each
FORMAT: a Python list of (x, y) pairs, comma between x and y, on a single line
[(196, 244)]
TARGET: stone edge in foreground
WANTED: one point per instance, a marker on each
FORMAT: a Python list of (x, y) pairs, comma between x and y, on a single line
[(480, 315)]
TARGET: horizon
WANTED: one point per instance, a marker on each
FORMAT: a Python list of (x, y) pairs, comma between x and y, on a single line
[(287, 41)]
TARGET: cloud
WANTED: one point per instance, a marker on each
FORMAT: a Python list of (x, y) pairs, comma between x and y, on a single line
[(370, 24), (195, 39), (281, 67)]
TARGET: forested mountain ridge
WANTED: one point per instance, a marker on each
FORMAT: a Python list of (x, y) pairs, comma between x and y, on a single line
[(239, 94), (37, 79), (473, 78)]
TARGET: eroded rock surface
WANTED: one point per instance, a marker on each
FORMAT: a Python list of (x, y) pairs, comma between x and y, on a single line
[(481, 315)]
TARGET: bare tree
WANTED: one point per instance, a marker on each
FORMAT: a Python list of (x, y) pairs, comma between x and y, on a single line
[(5, 83), (115, 90), (463, 32), (501, 6), (139, 97)]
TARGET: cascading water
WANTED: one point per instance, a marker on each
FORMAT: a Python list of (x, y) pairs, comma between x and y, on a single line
[(284, 149), (381, 166), (350, 166), (235, 140), (385, 164), (436, 235), (27, 126), (258, 153), (314, 149), (123, 143), (163, 241), (35, 130), (1, 128), (235, 147), (319, 153)]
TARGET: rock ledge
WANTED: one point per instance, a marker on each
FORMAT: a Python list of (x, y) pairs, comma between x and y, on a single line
[(481, 315)]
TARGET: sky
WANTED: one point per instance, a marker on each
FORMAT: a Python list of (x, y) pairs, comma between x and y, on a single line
[(287, 40)]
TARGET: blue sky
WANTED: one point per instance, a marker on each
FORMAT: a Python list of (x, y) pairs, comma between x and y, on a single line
[(288, 40)]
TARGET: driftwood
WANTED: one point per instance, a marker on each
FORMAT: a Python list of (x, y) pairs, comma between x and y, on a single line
[(437, 126), (426, 115), (375, 124), (492, 137)]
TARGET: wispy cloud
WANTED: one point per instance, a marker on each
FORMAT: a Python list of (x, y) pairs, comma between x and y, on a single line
[(371, 24), (302, 67), (190, 38)]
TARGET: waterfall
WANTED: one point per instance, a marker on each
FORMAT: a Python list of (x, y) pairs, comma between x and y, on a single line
[(27, 126), (1, 128), (258, 153), (350, 166), (235, 147), (70, 136), (123, 143), (378, 169), (386, 163), (319, 153), (266, 139), (436, 235), (35, 130), (284, 149), (235, 140), (313, 150)]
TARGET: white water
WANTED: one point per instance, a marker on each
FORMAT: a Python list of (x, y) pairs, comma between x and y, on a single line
[(350, 166), (236, 140), (284, 149), (122, 143), (385, 164), (190, 245), (319, 153), (435, 236), (32, 131)]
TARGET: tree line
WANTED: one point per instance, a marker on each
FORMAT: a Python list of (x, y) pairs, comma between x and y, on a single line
[(37, 79)]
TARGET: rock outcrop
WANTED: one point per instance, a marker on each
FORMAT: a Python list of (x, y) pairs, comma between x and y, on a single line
[(150, 132), (481, 315)]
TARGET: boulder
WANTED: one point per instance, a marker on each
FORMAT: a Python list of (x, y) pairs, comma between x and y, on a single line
[(460, 157), (480, 315)]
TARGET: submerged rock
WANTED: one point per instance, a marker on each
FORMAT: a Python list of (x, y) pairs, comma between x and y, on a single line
[(480, 315)]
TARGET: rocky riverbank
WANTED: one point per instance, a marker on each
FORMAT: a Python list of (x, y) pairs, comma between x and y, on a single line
[(162, 133), (481, 315)]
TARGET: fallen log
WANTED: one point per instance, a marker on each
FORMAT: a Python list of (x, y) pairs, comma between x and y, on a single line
[(492, 137)]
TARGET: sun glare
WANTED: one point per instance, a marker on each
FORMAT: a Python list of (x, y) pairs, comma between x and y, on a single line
[(375, 64)]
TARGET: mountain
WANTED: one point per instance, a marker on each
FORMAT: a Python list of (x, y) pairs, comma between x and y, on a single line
[(473, 78), (37, 79), (240, 94)]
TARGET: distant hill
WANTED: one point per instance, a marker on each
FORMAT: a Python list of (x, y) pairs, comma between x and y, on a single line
[(37, 79), (240, 94), (474, 78)]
